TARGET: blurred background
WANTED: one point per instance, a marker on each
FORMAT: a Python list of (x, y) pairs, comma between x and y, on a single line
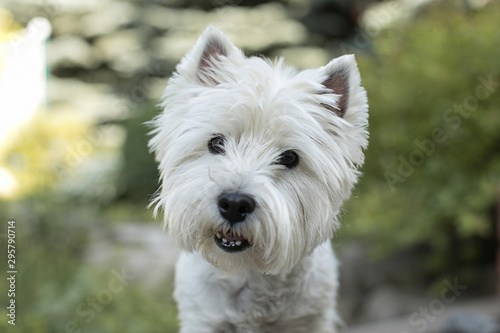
[(78, 79)]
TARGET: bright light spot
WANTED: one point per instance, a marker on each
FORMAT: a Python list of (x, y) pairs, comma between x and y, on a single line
[(23, 76), (8, 184)]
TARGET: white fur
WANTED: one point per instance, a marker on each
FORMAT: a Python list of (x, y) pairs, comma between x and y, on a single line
[(286, 281)]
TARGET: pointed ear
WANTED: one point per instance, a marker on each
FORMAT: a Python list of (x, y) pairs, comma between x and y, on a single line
[(200, 63), (214, 50), (342, 78)]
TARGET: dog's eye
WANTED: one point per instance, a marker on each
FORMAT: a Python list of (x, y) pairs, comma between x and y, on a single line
[(289, 158), (216, 145)]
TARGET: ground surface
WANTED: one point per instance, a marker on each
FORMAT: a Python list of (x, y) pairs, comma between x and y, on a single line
[(150, 255)]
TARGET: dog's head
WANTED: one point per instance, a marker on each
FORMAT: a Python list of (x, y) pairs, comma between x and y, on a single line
[(256, 158)]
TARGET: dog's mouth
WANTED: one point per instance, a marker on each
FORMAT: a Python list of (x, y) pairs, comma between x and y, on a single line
[(230, 242)]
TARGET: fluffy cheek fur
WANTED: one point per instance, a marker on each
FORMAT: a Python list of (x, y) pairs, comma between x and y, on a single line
[(293, 212)]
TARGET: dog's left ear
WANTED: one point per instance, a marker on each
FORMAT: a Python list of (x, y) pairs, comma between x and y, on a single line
[(200, 64), (341, 77)]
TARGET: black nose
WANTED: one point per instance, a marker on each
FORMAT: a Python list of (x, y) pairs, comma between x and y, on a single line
[(235, 207)]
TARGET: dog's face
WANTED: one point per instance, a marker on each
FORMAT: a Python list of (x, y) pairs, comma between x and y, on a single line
[(256, 158)]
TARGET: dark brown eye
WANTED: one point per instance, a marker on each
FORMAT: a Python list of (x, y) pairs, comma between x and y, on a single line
[(216, 145), (289, 158)]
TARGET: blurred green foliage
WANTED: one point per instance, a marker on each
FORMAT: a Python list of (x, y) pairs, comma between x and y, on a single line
[(43, 151), (433, 165), (55, 293), (430, 177), (139, 175)]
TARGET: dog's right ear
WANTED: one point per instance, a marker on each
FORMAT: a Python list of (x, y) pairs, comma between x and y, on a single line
[(200, 64)]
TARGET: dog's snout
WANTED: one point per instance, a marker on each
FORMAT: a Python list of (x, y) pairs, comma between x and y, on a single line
[(234, 207)]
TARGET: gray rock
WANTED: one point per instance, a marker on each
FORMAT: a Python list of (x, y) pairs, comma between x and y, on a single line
[(114, 44), (142, 250), (71, 51), (253, 29), (386, 302), (130, 63), (110, 18), (261, 27), (165, 18), (367, 283), (470, 323), (66, 24), (91, 101), (304, 56), (174, 46)]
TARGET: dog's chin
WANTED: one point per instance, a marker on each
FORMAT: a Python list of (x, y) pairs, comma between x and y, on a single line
[(230, 242), (238, 258)]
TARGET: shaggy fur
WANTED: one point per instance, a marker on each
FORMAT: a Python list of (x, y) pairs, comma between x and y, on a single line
[(286, 280)]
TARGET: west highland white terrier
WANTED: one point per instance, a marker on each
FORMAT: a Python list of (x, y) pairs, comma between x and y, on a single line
[(256, 159)]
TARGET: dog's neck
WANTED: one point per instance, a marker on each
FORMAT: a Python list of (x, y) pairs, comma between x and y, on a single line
[(272, 294), (293, 281), (286, 279)]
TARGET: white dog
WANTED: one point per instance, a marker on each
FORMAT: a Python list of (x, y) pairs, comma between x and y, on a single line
[(256, 159)]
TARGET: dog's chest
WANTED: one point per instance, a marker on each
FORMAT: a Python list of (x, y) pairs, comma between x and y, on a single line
[(300, 302), (263, 304)]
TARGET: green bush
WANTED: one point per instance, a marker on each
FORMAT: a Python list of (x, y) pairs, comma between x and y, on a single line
[(53, 284), (433, 164), (139, 175)]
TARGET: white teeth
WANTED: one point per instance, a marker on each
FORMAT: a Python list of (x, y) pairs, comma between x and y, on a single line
[(228, 243)]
